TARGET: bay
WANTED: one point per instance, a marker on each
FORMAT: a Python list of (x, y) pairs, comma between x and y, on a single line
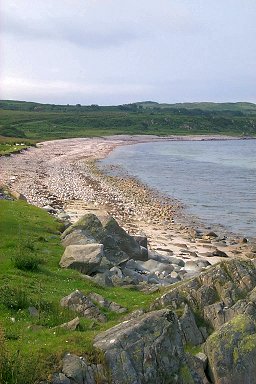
[(216, 180)]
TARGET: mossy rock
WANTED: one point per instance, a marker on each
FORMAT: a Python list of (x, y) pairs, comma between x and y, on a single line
[(231, 352)]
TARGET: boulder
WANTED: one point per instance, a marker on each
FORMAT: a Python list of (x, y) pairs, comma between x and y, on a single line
[(147, 349), (87, 230), (119, 246), (81, 304), (122, 239), (231, 352), (84, 258)]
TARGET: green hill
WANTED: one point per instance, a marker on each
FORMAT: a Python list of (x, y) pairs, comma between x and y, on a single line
[(35, 121)]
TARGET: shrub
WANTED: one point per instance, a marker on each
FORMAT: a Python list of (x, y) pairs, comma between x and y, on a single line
[(13, 298), (27, 262)]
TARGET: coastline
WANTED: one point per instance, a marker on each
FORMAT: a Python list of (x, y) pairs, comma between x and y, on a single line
[(64, 175)]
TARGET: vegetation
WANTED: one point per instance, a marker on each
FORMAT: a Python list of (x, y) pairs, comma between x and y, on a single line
[(30, 276), (33, 121)]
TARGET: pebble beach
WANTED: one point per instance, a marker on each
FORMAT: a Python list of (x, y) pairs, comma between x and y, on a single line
[(63, 175)]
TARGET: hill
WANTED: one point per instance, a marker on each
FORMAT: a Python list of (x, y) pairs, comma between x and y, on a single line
[(35, 121)]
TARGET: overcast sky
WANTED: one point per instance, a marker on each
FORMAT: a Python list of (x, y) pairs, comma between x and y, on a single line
[(120, 51)]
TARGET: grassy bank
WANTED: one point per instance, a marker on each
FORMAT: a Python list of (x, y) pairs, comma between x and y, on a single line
[(30, 276)]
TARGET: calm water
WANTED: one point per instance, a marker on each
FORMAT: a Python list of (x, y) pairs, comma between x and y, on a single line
[(216, 180)]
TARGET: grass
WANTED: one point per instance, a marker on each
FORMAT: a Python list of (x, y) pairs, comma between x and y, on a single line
[(29, 232), (58, 122), (12, 144)]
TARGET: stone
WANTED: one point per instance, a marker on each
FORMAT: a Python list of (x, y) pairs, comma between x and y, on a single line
[(81, 304), (192, 334), (231, 352), (60, 378), (84, 258), (18, 196), (147, 349), (142, 240), (74, 368), (33, 311), (104, 303), (219, 253), (71, 325), (49, 209)]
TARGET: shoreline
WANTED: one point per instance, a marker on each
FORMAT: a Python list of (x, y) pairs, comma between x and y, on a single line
[(64, 175)]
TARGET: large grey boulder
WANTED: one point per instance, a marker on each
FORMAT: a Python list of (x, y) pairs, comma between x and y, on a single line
[(144, 350), (81, 304), (84, 258), (119, 246)]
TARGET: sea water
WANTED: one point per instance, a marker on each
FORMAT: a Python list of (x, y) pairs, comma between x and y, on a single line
[(216, 180)]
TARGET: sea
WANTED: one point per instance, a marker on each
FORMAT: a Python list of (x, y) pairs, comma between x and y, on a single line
[(215, 180)]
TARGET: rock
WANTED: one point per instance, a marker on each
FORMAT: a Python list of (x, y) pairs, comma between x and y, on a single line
[(118, 245), (71, 325), (103, 279), (146, 350), (190, 330), (49, 209), (124, 241), (231, 352), (87, 230), (84, 258), (210, 234), (79, 303), (60, 378), (104, 303), (219, 253), (142, 240), (33, 311), (18, 196), (75, 368)]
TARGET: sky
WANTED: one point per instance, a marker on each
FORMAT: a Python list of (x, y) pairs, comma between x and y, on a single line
[(111, 52)]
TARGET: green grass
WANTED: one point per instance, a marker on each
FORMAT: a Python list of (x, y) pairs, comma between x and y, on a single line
[(46, 122), (27, 231)]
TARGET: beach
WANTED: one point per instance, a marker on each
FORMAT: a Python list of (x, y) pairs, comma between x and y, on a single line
[(63, 175)]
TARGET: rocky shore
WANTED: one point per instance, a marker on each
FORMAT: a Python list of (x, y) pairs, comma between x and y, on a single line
[(62, 176), (121, 233)]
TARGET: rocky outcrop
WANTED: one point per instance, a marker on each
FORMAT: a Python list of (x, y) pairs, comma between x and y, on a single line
[(231, 352), (88, 306), (147, 350)]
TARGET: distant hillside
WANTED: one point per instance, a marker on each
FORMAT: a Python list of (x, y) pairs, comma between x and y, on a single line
[(241, 107), (35, 121)]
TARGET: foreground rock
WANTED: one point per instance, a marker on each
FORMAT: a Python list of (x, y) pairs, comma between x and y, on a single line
[(232, 352), (148, 349)]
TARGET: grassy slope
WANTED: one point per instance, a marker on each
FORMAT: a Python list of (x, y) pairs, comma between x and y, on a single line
[(47, 122), (27, 231)]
